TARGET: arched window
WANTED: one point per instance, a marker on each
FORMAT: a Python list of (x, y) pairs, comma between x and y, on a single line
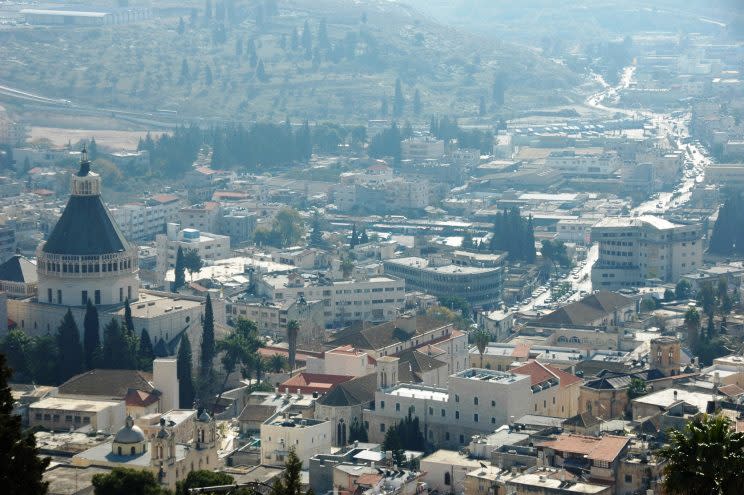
[(562, 339), (447, 479), (133, 451), (574, 340), (118, 450)]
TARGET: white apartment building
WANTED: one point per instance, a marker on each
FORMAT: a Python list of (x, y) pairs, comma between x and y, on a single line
[(11, 133), (374, 299), (634, 250), (209, 246), (420, 149), (378, 190), (474, 402), (586, 162), (203, 216), (281, 432), (576, 230), (144, 220)]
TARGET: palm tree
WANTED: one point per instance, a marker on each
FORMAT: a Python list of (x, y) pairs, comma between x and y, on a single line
[(705, 458), (239, 347), (481, 338), (277, 363), (293, 328)]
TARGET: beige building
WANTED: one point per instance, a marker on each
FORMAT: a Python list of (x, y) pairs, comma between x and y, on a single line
[(446, 471), (282, 432), (63, 413), (634, 250), (554, 392)]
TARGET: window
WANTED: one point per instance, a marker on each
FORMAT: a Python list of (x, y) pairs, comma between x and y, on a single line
[(382, 404), (457, 414), (37, 416), (132, 451), (84, 297), (431, 411), (59, 296), (446, 436), (98, 297), (49, 296), (462, 438), (475, 417), (493, 420), (629, 478), (457, 398), (493, 403), (447, 479), (382, 427), (443, 413), (121, 294), (397, 406), (475, 400)]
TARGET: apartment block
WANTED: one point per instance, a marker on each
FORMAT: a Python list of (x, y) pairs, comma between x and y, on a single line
[(635, 250)]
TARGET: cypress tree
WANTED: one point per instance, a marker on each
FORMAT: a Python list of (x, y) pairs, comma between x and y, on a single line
[(91, 336), (21, 467), (145, 351), (398, 100), (183, 371), (119, 348), (70, 350), (207, 344), (354, 237), (180, 271), (128, 322)]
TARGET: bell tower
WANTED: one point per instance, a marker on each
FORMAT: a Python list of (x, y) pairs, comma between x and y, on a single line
[(205, 431), (664, 355)]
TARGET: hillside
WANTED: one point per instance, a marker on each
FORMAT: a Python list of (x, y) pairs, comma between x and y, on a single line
[(244, 63)]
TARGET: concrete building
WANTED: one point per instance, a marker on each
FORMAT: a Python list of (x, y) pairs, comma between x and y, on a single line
[(420, 149), (202, 216), (446, 470), (479, 286), (65, 413), (281, 432), (162, 455), (587, 162), (554, 392), (373, 299), (144, 220), (475, 401), (209, 246), (634, 250)]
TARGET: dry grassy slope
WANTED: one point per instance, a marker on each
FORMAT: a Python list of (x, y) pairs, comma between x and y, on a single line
[(138, 66)]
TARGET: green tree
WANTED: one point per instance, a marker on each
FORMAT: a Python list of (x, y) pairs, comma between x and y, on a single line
[(21, 466), (145, 351), (277, 363), (668, 295), (123, 481), (183, 371), (290, 483), (43, 356), (316, 233), (16, 347), (207, 343), (637, 388), (180, 271), (405, 435), (192, 262), (237, 348), (706, 297), (481, 338), (398, 100), (358, 432), (705, 458), (347, 267), (119, 347), (683, 289), (201, 479), (289, 226), (128, 321), (354, 241), (70, 349), (725, 304), (692, 324), (293, 329), (91, 336), (261, 71)]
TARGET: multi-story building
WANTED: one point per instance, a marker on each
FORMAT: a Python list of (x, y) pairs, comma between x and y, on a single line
[(11, 133), (475, 401), (282, 432), (238, 225), (589, 162), (634, 250), (419, 149), (144, 220), (209, 246), (480, 286), (64, 413), (373, 299), (203, 216)]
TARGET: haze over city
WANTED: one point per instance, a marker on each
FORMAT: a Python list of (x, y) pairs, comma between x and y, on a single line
[(371, 247)]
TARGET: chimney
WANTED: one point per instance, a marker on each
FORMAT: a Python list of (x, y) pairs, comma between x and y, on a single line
[(675, 395)]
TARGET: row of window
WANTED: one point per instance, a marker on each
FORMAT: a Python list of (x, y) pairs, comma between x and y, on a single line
[(111, 266), (55, 418)]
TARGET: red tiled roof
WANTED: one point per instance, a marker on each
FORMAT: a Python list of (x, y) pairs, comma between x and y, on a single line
[(164, 198), (43, 192), (540, 373), (732, 390), (521, 351), (606, 448), (140, 398), (313, 382)]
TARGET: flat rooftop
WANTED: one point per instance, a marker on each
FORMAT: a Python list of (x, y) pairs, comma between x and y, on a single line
[(82, 405), (423, 264), (546, 483), (151, 305), (451, 457), (429, 393), (490, 376)]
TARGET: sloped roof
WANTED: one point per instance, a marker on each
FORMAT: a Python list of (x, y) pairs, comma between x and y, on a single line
[(582, 420), (18, 269), (140, 398), (605, 448), (540, 373), (313, 382), (86, 227), (587, 310), (413, 363), (363, 336), (256, 412), (360, 390), (732, 390), (108, 383)]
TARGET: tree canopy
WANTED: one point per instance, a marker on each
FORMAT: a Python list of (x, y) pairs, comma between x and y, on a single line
[(515, 234)]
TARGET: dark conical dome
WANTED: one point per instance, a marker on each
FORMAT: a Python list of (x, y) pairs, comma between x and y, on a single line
[(86, 227)]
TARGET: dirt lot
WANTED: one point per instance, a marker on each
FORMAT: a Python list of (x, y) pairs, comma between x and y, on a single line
[(110, 140)]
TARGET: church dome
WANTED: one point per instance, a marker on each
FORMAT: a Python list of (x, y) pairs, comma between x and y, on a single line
[(129, 433)]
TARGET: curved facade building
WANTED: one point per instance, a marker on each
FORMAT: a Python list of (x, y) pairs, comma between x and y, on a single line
[(86, 256)]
